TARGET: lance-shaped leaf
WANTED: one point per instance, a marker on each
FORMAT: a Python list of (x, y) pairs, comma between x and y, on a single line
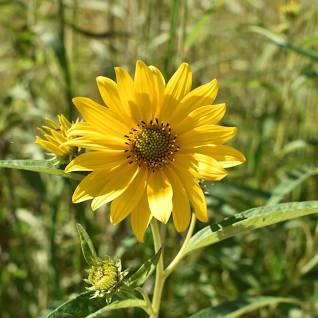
[(237, 308), (288, 184), (79, 307), (82, 306), (144, 271), (41, 166), (88, 249), (118, 304), (250, 220)]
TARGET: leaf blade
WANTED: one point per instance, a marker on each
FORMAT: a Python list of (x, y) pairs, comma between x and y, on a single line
[(144, 271), (237, 308), (249, 220), (87, 246), (289, 183), (41, 166), (118, 304)]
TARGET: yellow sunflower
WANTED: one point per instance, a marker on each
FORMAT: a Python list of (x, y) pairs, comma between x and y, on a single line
[(54, 139), (150, 146)]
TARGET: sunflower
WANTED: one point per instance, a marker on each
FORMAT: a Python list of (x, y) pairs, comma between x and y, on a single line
[(150, 146), (54, 139)]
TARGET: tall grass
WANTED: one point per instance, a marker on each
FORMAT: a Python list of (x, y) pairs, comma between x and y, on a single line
[(53, 50)]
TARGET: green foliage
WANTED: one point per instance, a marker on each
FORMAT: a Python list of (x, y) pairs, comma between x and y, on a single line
[(266, 62), (87, 246), (82, 306), (288, 184), (237, 308), (139, 277), (41, 166), (250, 220)]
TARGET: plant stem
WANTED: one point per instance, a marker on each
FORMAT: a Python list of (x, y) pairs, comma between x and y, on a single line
[(160, 280), (161, 273), (180, 254)]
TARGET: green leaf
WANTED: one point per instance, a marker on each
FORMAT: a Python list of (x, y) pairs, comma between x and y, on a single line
[(118, 304), (79, 307), (88, 249), (281, 41), (145, 270), (82, 306), (42, 166), (237, 308), (288, 184), (250, 220)]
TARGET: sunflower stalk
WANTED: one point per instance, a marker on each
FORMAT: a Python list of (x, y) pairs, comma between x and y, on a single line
[(161, 273)]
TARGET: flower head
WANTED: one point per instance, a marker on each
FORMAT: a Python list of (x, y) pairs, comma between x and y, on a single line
[(150, 146), (105, 277), (54, 139)]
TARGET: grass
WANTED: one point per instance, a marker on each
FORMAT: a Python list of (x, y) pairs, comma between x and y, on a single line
[(266, 62)]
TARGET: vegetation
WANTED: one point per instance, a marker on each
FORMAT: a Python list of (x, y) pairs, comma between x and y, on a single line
[(265, 57)]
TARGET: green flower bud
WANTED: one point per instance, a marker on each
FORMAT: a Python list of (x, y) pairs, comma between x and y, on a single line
[(105, 278)]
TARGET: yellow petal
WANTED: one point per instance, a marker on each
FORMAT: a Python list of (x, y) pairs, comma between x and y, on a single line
[(109, 92), (125, 86), (158, 89), (124, 204), (95, 160), (96, 142), (105, 183), (200, 96), (194, 192), (100, 117), (205, 115), (141, 217), (88, 187), (118, 181), (206, 135), (143, 86), (49, 146), (226, 156), (209, 168), (159, 191), (181, 208), (177, 87)]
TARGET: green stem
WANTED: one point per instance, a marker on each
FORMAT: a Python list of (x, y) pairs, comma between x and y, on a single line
[(160, 280), (161, 273), (180, 254), (63, 59)]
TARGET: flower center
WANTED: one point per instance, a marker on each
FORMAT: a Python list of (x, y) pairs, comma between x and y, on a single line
[(151, 145)]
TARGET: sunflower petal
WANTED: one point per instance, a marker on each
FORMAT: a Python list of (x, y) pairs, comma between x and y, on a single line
[(99, 116), (159, 191), (194, 192), (206, 135), (143, 86), (202, 95), (181, 208), (91, 161), (125, 86), (118, 181), (141, 217), (205, 115), (124, 204), (109, 92), (226, 156), (158, 89), (208, 168), (177, 87)]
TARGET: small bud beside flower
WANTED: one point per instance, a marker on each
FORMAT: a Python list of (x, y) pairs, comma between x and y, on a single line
[(105, 278)]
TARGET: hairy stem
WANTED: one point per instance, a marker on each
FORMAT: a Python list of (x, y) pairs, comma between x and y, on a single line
[(160, 280)]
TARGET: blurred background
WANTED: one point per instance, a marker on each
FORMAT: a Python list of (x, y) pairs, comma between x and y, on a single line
[(265, 56)]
